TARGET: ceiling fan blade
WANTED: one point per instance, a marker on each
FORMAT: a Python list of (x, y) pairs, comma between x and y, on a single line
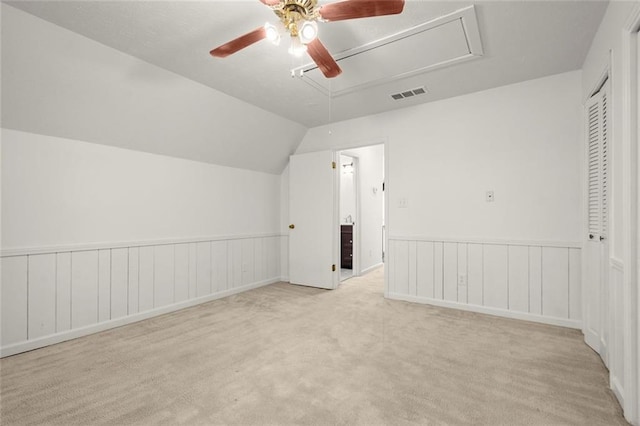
[(239, 43), (270, 2), (352, 9), (323, 59)]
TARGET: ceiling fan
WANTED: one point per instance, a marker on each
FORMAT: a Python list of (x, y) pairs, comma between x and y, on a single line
[(299, 19)]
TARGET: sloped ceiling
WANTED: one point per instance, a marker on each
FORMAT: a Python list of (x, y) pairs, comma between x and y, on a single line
[(521, 40), (57, 83)]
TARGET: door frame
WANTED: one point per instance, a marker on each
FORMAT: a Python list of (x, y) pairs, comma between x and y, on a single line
[(630, 212), (384, 141), (355, 262)]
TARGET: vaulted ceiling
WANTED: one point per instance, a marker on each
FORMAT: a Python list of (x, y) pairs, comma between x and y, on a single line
[(514, 41)]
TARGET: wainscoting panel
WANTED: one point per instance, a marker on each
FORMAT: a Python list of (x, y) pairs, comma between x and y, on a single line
[(575, 284), (535, 280), (475, 274), (14, 300), (451, 272), (518, 278), (463, 271), (219, 262), (181, 271), (164, 276), (84, 288), (496, 279), (104, 285), (119, 276), (49, 297), (203, 280), (42, 295), (425, 271), (145, 278), (438, 265), (134, 280), (63, 291), (555, 282), (526, 280)]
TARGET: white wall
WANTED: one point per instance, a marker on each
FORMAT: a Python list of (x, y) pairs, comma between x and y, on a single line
[(63, 192), (56, 82), (370, 175), (522, 141), (606, 53)]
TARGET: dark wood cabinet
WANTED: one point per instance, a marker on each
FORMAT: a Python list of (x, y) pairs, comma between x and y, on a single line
[(346, 246)]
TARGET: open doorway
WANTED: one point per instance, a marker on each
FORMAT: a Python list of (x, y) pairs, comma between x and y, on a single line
[(361, 210)]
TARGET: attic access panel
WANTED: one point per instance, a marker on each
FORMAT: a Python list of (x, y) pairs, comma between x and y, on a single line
[(443, 41)]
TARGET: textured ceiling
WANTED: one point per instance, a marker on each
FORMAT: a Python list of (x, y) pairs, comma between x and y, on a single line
[(521, 40)]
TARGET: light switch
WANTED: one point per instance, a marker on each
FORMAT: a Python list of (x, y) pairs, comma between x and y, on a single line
[(489, 197)]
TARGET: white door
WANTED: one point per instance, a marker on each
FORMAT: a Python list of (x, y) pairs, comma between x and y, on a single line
[(311, 215), (596, 321)]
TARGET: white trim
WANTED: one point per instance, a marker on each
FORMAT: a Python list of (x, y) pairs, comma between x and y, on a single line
[(65, 248), (602, 79), (630, 219), (119, 322), (617, 389), (562, 244), (562, 322), (371, 268)]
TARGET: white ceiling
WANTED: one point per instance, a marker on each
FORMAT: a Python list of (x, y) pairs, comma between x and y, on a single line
[(521, 40)]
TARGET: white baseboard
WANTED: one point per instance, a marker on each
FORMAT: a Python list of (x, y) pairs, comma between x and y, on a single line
[(563, 322), (371, 268), (52, 339), (617, 389)]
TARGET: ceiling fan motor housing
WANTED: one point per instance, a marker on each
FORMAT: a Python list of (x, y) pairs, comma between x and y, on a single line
[(291, 12)]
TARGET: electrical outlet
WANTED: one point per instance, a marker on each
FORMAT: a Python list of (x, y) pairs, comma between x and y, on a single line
[(403, 203), (245, 267), (462, 280)]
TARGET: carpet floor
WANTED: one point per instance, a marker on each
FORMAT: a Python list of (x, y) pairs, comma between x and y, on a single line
[(285, 354)]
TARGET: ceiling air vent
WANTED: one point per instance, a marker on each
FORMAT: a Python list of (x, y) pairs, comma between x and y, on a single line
[(409, 93)]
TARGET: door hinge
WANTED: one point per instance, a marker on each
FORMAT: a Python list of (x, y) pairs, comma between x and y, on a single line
[(333, 267), (333, 164)]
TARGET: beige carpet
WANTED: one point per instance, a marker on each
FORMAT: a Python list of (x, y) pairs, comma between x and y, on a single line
[(286, 354)]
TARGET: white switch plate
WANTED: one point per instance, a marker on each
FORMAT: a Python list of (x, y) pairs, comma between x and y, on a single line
[(489, 196), (403, 203)]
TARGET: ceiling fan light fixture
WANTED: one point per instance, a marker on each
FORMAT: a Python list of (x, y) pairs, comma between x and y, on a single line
[(297, 49), (273, 34), (308, 31)]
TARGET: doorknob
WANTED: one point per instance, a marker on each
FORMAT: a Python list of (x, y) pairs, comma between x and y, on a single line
[(292, 226), (591, 236)]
